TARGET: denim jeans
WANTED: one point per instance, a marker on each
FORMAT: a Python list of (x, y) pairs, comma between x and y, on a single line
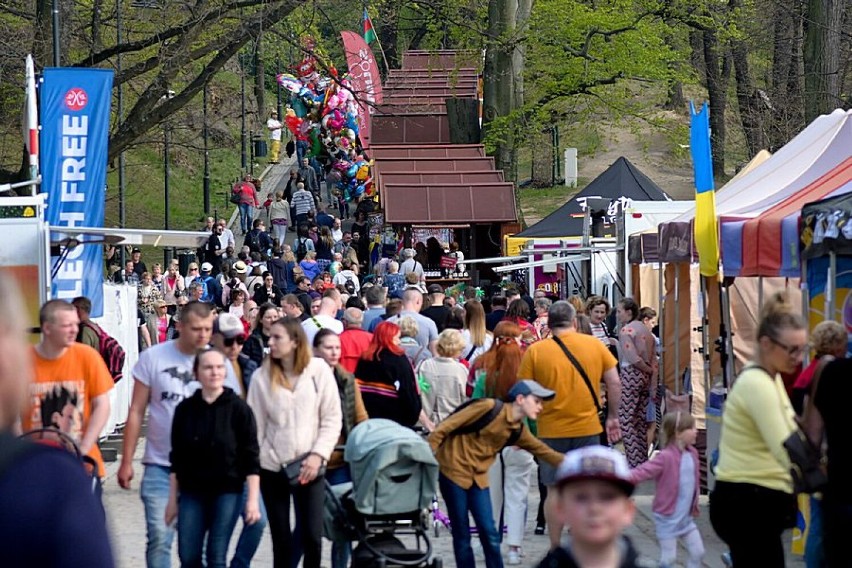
[(250, 536), (245, 217), (477, 501), (301, 148), (206, 517), (154, 491), (341, 550), (814, 552)]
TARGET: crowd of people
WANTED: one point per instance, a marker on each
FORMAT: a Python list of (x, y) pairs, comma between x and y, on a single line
[(254, 374)]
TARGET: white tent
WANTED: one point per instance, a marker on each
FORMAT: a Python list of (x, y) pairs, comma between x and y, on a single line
[(818, 149)]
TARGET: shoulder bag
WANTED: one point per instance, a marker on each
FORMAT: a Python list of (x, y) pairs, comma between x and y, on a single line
[(806, 465), (601, 410)]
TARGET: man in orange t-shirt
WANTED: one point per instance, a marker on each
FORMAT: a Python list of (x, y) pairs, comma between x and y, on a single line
[(70, 389)]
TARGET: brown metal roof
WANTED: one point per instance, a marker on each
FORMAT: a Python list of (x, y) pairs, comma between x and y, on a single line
[(427, 151), (410, 128), (441, 59), (423, 179), (454, 164), (432, 178), (448, 203)]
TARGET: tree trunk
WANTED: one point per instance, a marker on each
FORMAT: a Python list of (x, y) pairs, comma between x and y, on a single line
[(822, 57), (748, 99), (717, 85), (498, 78)]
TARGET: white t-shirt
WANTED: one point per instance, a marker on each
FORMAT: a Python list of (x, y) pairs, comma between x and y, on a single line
[(315, 323), (276, 125), (168, 373), (411, 265), (489, 339), (341, 277)]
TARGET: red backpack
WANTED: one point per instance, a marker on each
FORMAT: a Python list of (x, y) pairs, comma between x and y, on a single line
[(111, 350)]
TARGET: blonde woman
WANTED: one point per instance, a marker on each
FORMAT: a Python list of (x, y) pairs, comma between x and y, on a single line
[(148, 293), (477, 339), (279, 216), (444, 379), (173, 288), (296, 403)]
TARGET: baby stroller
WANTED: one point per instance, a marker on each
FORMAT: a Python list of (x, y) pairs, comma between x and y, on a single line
[(394, 477)]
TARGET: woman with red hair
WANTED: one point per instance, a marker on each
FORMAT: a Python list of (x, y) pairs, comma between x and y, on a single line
[(386, 379), (496, 373)]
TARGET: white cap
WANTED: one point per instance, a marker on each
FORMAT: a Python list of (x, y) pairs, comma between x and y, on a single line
[(206, 267)]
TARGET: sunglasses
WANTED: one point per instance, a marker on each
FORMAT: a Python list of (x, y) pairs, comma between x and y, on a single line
[(229, 341)]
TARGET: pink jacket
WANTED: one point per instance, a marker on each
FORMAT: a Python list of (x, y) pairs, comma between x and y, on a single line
[(665, 468)]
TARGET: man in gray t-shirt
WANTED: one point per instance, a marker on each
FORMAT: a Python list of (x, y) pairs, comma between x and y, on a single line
[(427, 331), (163, 377)]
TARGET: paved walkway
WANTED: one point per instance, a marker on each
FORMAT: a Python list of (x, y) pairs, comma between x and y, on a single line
[(127, 527)]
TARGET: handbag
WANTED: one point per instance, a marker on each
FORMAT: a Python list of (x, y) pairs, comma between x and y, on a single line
[(806, 464), (293, 469), (602, 412)]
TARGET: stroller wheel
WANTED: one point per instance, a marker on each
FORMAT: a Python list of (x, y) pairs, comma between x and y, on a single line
[(381, 563), (437, 563), (436, 528)]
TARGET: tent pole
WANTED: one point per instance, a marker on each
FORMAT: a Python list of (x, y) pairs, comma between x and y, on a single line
[(728, 336), (832, 278), (759, 294), (661, 320), (677, 328), (806, 304), (705, 333)]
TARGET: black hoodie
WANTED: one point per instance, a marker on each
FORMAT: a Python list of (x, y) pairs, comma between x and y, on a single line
[(214, 445), (562, 558)]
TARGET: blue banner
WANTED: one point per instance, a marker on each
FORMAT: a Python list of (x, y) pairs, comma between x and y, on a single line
[(75, 113)]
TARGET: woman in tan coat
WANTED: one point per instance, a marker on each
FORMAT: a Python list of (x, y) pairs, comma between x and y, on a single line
[(297, 407)]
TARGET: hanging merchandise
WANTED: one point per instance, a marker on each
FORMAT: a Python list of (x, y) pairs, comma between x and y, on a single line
[(323, 113)]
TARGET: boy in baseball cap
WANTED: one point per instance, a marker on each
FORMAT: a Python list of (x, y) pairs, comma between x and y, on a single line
[(466, 443), (594, 500)]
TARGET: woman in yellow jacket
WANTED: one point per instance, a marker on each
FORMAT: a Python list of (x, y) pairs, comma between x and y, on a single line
[(753, 501)]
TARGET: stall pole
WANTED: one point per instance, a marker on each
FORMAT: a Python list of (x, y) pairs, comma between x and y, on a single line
[(759, 295), (677, 327), (806, 303), (705, 334), (832, 280), (661, 319)]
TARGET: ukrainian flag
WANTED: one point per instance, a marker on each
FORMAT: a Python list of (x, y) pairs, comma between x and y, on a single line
[(705, 226)]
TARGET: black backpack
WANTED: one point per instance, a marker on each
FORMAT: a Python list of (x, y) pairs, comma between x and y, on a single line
[(301, 249), (253, 241), (349, 286), (477, 425)]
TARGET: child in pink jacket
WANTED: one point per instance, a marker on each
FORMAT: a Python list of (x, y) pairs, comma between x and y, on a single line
[(675, 470)]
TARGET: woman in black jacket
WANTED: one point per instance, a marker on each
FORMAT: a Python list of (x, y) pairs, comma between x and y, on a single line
[(257, 344), (214, 453), (386, 379), (269, 292)]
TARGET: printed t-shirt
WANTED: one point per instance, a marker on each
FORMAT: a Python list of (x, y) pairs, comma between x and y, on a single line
[(572, 412), (61, 392), (168, 373)]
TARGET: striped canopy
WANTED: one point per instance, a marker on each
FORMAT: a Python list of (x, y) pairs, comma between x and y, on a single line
[(768, 245)]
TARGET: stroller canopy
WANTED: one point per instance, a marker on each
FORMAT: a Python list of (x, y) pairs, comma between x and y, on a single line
[(393, 469)]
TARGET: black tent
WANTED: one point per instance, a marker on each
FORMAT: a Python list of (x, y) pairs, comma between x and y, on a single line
[(620, 182)]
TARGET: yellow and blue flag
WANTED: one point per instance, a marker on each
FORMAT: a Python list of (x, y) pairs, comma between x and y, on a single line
[(705, 226)]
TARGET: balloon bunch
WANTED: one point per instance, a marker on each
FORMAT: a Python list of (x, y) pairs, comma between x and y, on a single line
[(323, 114)]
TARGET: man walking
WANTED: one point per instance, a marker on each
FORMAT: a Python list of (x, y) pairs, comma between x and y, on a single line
[(354, 340), (427, 334), (71, 383), (309, 177), (163, 377), (570, 421), (247, 194), (274, 127), (302, 204)]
